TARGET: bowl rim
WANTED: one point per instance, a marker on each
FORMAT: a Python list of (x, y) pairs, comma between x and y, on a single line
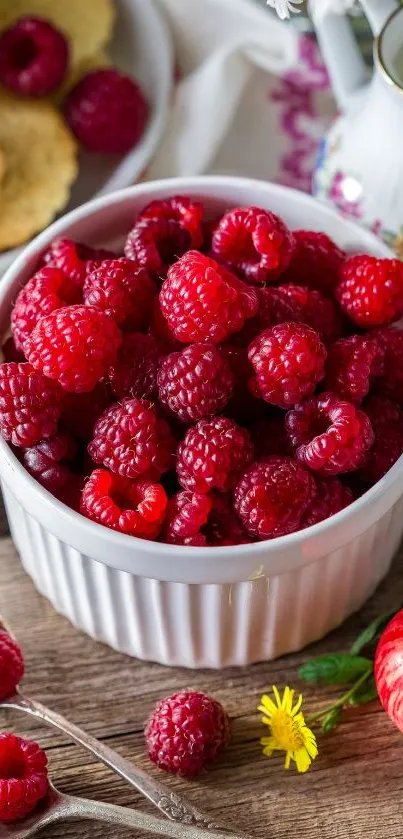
[(256, 558)]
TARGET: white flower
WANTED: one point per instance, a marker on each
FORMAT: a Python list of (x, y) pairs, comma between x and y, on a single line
[(284, 7), (320, 8)]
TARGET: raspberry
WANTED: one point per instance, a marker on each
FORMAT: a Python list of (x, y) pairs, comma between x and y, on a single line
[(187, 513), (160, 330), (242, 406), (351, 366), (270, 437), (107, 111), (47, 290), (11, 666), (299, 304), (74, 259), (135, 370), (272, 496), (10, 352), (123, 291), (195, 382), (81, 410), (133, 507), (23, 777), (288, 360), (186, 732), (253, 242), (212, 454), (155, 243), (47, 461), (329, 435), (370, 290), (179, 208), (223, 526), (132, 439), (261, 321), (30, 404), (33, 57), (331, 497), (386, 418), (315, 263), (390, 340), (202, 301), (75, 345)]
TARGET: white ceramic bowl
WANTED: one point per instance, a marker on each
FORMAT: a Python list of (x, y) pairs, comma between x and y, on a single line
[(141, 47), (199, 607)]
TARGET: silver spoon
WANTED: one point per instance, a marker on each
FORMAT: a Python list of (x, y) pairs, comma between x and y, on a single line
[(174, 806), (58, 807)]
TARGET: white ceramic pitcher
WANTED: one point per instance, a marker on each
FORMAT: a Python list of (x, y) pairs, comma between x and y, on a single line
[(360, 163)]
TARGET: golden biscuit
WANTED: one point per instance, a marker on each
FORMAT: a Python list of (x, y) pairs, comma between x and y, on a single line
[(40, 157), (2, 166)]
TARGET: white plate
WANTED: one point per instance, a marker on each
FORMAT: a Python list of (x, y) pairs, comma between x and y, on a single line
[(141, 46)]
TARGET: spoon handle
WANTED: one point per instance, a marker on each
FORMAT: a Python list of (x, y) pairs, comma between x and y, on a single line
[(173, 806)]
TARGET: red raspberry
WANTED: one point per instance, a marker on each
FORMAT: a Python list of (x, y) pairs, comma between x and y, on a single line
[(30, 404), (107, 111), (242, 407), (331, 497), (160, 330), (187, 513), (187, 212), (261, 321), (289, 362), (223, 526), (47, 290), (75, 345), (272, 496), (202, 301), (11, 666), (10, 352), (155, 243), (386, 418), (212, 454), (81, 410), (195, 382), (135, 370), (254, 242), (390, 340), (270, 437), (74, 259), (23, 777), (329, 435), (370, 290), (33, 57), (299, 304), (351, 366), (132, 439), (186, 732), (123, 291), (47, 461), (133, 507), (315, 263)]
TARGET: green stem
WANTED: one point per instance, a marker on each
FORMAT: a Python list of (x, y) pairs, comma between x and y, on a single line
[(340, 702)]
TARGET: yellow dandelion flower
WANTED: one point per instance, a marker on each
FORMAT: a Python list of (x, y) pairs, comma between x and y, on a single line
[(289, 731)]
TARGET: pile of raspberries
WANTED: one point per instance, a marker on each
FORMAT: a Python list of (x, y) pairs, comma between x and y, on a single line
[(222, 382)]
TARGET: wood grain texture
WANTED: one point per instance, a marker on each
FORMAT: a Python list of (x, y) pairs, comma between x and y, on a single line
[(353, 791)]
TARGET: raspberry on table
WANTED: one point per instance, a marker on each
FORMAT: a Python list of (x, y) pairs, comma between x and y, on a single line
[(203, 301), (132, 439), (11, 665), (352, 365), (49, 289), (155, 243), (254, 242), (370, 290), (242, 406), (23, 776), (74, 345), (186, 732), (81, 410), (288, 360), (187, 513), (134, 372), (331, 497), (329, 435), (107, 111), (315, 263), (270, 437), (386, 418), (195, 382), (74, 259), (30, 404), (123, 291), (10, 351), (390, 340), (33, 57), (213, 454), (182, 209), (272, 496), (136, 508), (299, 304), (48, 461)]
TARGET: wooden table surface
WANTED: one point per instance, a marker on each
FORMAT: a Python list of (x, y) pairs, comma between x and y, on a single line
[(354, 788)]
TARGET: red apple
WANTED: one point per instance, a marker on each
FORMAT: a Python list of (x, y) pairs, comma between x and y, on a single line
[(389, 670)]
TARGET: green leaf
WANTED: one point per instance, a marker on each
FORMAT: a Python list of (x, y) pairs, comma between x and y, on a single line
[(335, 669), (372, 631), (331, 720), (365, 693)]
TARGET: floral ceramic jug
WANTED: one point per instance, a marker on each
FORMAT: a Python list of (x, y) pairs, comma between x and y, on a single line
[(360, 163)]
